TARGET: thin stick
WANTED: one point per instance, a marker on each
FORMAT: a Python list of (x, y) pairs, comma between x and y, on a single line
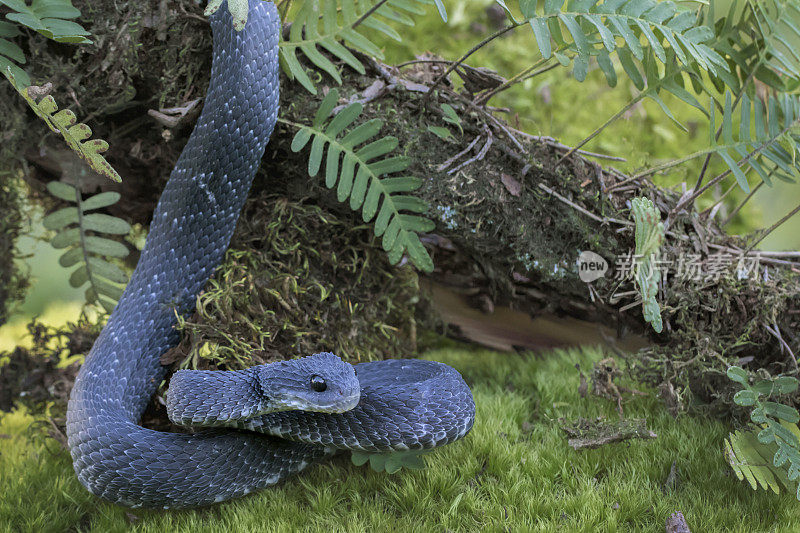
[(597, 132), (689, 200), (471, 51), (511, 81), (775, 226), (581, 209), (733, 107), (415, 61), (369, 12), (741, 204)]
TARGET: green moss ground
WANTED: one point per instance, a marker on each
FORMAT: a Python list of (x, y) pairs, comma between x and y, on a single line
[(503, 477)]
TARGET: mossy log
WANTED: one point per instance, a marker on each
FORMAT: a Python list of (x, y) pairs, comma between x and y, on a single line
[(511, 217)]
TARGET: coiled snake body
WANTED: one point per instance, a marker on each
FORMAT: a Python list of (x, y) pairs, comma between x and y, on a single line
[(318, 402)]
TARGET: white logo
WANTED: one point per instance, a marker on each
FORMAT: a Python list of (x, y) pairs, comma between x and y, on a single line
[(591, 266)]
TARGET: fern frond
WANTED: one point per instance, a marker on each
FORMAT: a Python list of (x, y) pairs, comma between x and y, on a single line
[(650, 81), (331, 24), (74, 133), (48, 17), (358, 165), (594, 29), (761, 457), (764, 148), (51, 18), (11, 53), (752, 460), (762, 39), (81, 233)]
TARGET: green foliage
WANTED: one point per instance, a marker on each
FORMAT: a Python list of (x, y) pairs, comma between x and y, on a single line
[(329, 23), (359, 174), (48, 17), (390, 462), (771, 147), (450, 116), (769, 456), (761, 38), (779, 24), (64, 122), (649, 235), (593, 30), (81, 233)]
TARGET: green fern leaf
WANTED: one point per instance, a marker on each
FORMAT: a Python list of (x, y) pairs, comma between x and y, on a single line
[(50, 18), (79, 232), (779, 23), (364, 173), (761, 464), (391, 462), (331, 24)]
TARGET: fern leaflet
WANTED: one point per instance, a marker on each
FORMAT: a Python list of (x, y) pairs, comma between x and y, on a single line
[(355, 165), (766, 139), (48, 17), (779, 24), (80, 233), (752, 460)]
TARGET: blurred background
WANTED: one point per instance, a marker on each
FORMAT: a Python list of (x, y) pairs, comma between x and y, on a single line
[(551, 104)]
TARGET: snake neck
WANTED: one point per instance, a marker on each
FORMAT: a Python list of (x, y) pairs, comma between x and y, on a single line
[(208, 398)]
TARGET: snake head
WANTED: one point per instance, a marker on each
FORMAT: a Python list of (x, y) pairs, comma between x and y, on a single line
[(320, 383)]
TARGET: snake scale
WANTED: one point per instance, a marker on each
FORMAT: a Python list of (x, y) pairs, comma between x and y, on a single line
[(272, 420)]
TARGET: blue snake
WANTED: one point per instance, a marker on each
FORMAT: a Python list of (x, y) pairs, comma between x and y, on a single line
[(270, 421)]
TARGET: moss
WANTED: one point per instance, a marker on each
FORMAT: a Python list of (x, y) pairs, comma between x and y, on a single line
[(299, 280), (513, 472)]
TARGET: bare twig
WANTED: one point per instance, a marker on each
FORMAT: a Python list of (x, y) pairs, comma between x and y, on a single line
[(741, 205), (776, 332), (368, 13), (526, 74), (455, 158), (733, 106), (455, 64), (589, 214), (775, 226), (597, 132)]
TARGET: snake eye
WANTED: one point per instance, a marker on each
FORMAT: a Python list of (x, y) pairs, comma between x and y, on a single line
[(318, 384)]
